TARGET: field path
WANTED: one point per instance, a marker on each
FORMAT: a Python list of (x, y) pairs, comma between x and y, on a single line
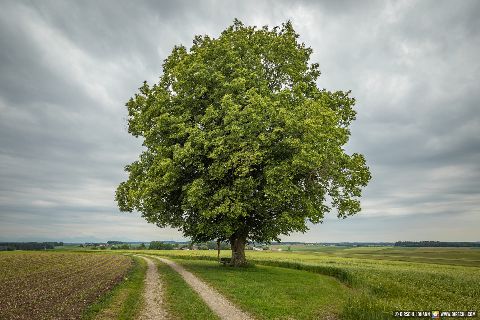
[(153, 294), (218, 303)]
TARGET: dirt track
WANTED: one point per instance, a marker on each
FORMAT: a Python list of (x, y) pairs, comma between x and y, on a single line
[(153, 295), (218, 303)]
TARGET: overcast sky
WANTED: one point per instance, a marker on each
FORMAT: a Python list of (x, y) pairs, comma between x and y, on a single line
[(68, 67)]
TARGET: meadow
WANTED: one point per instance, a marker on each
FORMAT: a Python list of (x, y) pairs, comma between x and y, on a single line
[(306, 282), (449, 256), (379, 281)]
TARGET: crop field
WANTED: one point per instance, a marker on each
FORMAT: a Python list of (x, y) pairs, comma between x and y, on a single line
[(450, 256), (378, 284), (45, 285), (342, 283)]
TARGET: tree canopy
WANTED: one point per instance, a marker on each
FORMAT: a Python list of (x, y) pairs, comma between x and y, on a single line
[(240, 143)]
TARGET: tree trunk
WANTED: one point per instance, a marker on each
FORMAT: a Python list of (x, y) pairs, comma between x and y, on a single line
[(218, 250), (237, 243)]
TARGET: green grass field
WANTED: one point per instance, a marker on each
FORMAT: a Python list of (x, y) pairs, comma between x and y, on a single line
[(319, 283), (449, 256), (378, 284), (272, 292)]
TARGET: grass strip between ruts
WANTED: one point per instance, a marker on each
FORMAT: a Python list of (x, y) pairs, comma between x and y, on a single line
[(181, 302)]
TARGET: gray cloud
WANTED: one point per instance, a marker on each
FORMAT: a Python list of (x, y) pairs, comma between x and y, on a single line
[(67, 68)]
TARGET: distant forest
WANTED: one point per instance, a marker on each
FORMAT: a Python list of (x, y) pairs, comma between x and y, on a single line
[(11, 246), (435, 244)]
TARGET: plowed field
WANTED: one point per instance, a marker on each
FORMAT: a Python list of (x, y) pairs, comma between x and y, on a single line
[(49, 285)]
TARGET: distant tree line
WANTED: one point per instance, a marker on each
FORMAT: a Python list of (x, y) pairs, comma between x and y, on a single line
[(210, 245), (158, 245), (435, 244), (10, 246), (124, 246)]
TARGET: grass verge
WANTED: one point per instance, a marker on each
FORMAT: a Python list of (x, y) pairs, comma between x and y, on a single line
[(274, 293), (125, 300), (339, 273)]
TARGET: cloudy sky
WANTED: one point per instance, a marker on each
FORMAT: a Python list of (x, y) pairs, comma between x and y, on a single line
[(68, 67)]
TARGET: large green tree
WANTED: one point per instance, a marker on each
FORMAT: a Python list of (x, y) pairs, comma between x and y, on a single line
[(240, 143)]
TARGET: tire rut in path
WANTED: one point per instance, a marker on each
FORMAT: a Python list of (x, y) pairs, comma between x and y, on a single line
[(218, 303), (153, 294)]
